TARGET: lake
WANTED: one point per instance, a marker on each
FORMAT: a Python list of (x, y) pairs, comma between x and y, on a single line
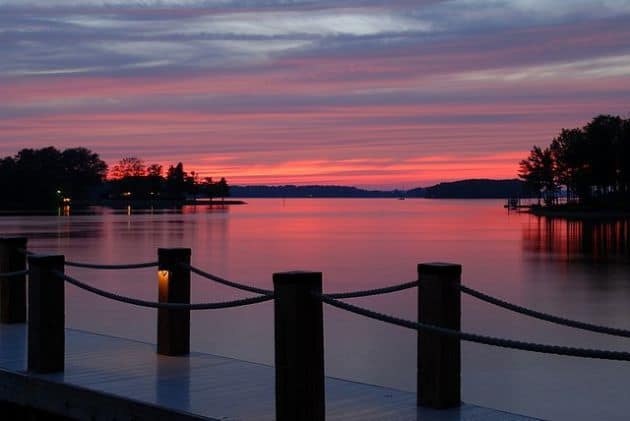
[(579, 270)]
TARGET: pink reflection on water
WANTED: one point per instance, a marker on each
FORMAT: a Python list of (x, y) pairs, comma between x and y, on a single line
[(360, 244)]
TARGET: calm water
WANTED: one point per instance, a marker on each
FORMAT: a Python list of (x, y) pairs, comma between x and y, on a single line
[(578, 270)]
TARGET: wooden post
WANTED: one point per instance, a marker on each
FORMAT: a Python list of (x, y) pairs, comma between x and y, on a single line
[(299, 337), (439, 357), (173, 287), (46, 334), (13, 290)]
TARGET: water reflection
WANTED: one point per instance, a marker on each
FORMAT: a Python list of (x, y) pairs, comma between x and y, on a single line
[(578, 240), (549, 265)]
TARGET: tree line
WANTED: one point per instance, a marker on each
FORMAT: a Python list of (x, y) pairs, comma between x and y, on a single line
[(41, 178), (591, 164), (47, 177), (131, 178)]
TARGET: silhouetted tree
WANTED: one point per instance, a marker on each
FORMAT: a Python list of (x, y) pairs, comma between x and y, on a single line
[(155, 179), (538, 173), (40, 178), (192, 184), (207, 188), (570, 154), (176, 182), (154, 170), (83, 169), (223, 190), (602, 135), (128, 167), (624, 154), (592, 162)]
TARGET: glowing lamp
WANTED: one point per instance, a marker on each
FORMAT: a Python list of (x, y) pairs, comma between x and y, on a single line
[(163, 276), (173, 287), (163, 279)]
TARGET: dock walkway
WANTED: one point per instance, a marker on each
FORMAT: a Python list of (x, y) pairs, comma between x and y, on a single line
[(114, 378)]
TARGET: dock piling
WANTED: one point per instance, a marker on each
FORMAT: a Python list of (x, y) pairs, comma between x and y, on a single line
[(13, 291), (46, 318), (299, 347), (439, 357), (173, 287)]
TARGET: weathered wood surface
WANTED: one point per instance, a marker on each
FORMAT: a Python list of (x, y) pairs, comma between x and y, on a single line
[(125, 379)]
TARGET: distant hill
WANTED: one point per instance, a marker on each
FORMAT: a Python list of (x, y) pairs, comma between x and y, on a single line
[(473, 189), (308, 191), (465, 189)]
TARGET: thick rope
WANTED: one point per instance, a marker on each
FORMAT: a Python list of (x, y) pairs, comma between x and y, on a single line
[(111, 267), (225, 282), (96, 266), (376, 291), (543, 316), (158, 305), (471, 337), (8, 275)]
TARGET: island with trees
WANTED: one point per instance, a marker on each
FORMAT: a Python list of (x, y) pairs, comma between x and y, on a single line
[(130, 179), (48, 178), (587, 166)]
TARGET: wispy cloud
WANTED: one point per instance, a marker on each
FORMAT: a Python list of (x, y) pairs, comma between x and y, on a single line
[(601, 67), (339, 91)]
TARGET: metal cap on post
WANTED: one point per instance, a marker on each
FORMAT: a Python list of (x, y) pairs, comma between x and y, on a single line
[(13, 290), (173, 287), (439, 357), (46, 298), (299, 344)]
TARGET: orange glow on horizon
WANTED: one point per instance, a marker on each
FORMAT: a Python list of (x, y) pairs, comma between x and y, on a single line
[(372, 173)]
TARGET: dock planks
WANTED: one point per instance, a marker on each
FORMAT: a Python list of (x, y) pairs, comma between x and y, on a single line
[(109, 377)]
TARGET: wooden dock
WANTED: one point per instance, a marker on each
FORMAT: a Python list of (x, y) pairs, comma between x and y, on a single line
[(112, 378), (47, 369)]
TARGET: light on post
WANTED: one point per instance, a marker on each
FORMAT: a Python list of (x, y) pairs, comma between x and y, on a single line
[(163, 278)]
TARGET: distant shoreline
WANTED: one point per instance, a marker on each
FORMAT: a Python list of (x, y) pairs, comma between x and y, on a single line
[(165, 203), (82, 207)]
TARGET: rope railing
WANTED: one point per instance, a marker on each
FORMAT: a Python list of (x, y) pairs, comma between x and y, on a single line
[(111, 267), (16, 274), (476, 338), (99, 266), (375, 291), (226, 282), (333, 300), (159, 305), (544, 316), (351, 294)]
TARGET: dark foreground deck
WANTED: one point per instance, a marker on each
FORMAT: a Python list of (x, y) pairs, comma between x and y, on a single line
[(114, 378)]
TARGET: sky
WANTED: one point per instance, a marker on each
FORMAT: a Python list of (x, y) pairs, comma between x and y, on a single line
[(394, 94)]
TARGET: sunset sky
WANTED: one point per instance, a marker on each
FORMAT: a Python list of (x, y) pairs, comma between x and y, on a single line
[(393, 94)]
